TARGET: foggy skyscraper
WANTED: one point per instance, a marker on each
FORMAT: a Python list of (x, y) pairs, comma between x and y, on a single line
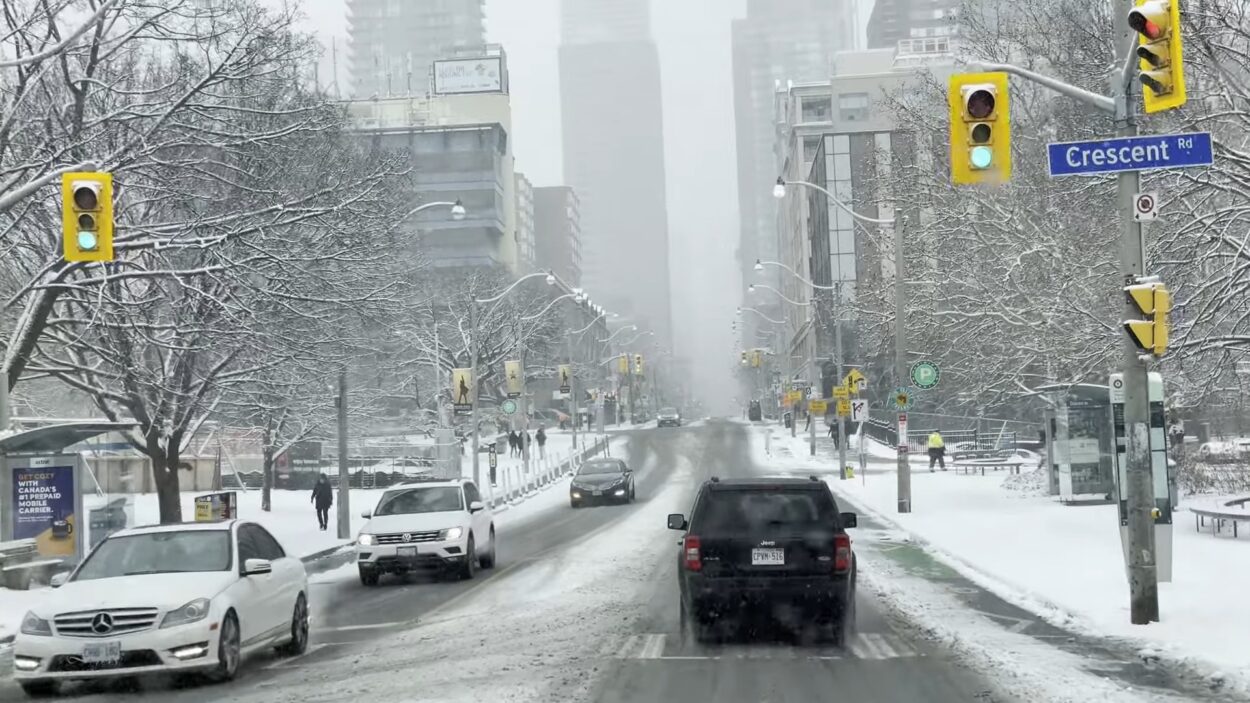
[(613, 127), (778, 40), (393, 44)]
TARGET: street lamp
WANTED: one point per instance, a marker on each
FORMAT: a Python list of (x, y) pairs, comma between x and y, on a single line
[(900, 305), (473, 350), (457, 210)]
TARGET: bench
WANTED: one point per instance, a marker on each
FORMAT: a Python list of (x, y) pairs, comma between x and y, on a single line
[(19, 577), (1221, 514), (971, 466)]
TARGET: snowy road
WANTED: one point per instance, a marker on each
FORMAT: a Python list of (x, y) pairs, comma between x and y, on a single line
[(583, 608)]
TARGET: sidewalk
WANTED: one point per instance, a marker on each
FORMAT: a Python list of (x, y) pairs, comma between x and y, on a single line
[(1065, 563)]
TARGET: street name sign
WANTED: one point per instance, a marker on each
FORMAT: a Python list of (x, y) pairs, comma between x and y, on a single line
[(1142, 153)]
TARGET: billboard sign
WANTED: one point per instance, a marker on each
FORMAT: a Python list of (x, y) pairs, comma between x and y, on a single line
[(460, 76), (46, 505)]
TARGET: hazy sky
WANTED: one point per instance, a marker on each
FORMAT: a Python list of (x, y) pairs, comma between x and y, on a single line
[(693, 39)]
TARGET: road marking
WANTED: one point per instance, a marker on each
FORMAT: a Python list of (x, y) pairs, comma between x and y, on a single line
[(653, 647)]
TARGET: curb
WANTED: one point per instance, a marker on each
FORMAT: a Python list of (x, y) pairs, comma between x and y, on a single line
[(322, 554)]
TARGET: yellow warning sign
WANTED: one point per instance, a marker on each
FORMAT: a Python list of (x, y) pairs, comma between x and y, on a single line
[(818, 405), (844, 408), (841, 393)]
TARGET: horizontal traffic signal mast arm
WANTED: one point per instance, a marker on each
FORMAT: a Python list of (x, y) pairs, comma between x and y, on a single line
[(1101, 102)]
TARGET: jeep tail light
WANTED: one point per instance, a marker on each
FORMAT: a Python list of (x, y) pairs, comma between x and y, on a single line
[(690, 553), (842, 553)]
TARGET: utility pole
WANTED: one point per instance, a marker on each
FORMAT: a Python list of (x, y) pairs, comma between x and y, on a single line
[(900, 361), (1139, 491), (573, 410), (473, 433), (837, 343), (345, 511)]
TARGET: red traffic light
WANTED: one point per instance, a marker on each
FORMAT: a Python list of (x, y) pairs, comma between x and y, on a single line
[(1144, 25), (85, 197), (980, 104)]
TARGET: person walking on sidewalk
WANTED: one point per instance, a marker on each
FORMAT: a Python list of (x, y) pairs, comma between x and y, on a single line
[(541, 437), (322, 499), (937, 450)]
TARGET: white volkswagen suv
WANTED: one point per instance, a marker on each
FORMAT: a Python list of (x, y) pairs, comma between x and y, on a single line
[(436, 525), (165, 599)]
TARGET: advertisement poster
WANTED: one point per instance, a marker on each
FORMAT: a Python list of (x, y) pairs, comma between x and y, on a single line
[(45, 509)]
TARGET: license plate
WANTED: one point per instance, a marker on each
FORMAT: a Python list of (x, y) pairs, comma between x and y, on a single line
[(598, 493), (768, 557), (407, 551), (102, 653)]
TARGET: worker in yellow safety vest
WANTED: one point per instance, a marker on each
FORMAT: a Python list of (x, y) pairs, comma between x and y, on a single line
[(937, 450)]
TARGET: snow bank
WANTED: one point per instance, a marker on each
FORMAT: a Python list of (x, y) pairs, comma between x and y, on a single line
[(1066, 564)]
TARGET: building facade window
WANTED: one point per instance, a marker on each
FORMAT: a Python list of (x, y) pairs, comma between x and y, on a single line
[(814, 108), (853, 107)]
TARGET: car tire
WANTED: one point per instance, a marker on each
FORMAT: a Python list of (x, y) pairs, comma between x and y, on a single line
[(694, 628), (40, 689), (299, 629), (229, 650), (487, 560), (468, 568), (575, 504), (369, 577)]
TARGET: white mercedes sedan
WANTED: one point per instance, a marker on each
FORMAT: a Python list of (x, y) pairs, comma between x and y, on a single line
[(191, 597)]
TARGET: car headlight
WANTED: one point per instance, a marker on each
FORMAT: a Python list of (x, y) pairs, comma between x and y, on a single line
[(451, 533), (34, 625), (365, 539), (194, 611)]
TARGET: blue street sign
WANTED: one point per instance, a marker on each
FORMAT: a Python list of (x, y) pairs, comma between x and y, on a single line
[(1142, 153)]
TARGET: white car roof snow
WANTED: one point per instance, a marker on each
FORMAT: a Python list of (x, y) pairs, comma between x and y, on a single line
[(220, 525)]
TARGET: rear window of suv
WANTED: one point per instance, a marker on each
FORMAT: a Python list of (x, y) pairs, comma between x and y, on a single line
[(732, 510)]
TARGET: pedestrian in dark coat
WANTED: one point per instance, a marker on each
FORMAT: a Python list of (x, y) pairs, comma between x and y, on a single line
[(542, 443), (514, 443), (322, 499)]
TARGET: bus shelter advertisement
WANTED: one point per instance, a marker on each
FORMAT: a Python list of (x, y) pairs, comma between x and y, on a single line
[(44, 500)]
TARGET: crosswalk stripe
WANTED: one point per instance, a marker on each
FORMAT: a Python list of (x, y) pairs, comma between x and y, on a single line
[(872, 646), (653, 646)]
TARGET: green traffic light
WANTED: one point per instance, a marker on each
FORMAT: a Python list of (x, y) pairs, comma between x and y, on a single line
[(981, 157), (88, 241)]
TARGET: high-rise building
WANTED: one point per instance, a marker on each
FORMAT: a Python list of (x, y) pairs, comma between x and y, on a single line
[(526, 254), (777, 41), (840, 134), (893, 21), (558, 233), (613, 127), (394, 43)]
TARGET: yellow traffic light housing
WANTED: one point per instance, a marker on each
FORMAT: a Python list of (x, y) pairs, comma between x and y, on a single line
[(1158, 27), (87, 216), (638, 364), (980, 131), (1154, 301)]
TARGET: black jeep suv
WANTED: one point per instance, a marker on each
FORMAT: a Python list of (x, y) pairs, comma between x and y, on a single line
[(775, 547)]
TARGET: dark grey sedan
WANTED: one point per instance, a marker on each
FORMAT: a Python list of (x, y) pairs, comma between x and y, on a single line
[(602, 481)]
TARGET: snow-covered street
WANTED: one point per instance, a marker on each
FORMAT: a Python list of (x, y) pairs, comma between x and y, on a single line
[(582, 607)]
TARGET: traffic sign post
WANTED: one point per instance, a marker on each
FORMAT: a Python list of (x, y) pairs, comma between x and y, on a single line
[(1130, 153), (925, 375), (1146, 207)]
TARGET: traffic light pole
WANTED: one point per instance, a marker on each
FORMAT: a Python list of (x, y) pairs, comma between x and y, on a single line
[(903, 468), (1139, 485), (1138, 488)]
